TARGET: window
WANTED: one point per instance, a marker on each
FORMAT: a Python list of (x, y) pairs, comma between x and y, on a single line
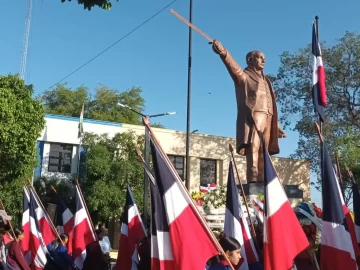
[(178, 162), (207, 172), (60, 158)]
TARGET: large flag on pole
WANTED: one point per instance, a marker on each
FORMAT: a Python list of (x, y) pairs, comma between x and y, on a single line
[(356, 206), (37, 242), (132, 231), (179, 229), (47, 231), (337, 251), (318, 87), (236, 224), (25, 226), (82, 233), (284, 238), (81, 122), (65, 221)]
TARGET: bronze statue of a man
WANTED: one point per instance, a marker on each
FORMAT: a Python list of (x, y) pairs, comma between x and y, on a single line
[(255, 100)]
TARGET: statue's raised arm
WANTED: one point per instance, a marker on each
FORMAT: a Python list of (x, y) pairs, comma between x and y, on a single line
[(232, 66)]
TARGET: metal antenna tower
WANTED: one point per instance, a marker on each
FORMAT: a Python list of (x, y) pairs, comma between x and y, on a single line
[(26, 39)]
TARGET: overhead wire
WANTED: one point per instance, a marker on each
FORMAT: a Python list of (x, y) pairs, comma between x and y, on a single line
[(112, 45)]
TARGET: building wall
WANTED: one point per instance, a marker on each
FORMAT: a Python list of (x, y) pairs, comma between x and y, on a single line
[(60, 129)]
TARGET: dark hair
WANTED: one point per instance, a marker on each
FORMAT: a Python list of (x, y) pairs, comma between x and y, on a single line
[(63, 236), (229, 243), (98, 231), (18, 232)]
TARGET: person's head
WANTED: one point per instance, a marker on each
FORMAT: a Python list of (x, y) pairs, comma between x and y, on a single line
[(100, 234), (255, 59), (231, 248), (105, 231), (19, 234), (64, 238)]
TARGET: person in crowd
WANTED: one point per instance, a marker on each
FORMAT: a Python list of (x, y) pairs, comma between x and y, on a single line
[(2, 253), (15, 259), (144, 251), (61, 258), (105, 243), (231, 248), (94, 256)]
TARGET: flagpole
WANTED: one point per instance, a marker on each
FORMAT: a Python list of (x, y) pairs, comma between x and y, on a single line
[(339, 173), (46, 213), (192, 204), (12, 229), (81, 129), (231, 149)]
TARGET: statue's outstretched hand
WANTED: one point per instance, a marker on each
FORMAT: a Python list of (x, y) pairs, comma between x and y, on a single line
[(217, 47), (282, 134)]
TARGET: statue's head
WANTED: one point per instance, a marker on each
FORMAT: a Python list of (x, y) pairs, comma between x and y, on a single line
[(255, 59)]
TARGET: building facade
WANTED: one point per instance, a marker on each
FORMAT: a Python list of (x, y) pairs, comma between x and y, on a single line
[(58, 148)]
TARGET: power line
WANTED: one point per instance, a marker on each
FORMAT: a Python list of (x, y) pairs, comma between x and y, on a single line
[(112, 45)]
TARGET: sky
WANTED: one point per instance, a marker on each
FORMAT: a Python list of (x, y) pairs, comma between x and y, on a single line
[(64, 36)]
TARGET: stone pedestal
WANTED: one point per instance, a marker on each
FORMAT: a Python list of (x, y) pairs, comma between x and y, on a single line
[(255, 189)]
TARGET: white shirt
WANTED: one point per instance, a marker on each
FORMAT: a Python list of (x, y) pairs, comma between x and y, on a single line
[(105, 245)]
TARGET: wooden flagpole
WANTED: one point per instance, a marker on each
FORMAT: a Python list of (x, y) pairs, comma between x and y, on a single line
[(87, 210), (46, 213), (12, 229), (231, 149), (192, 204)]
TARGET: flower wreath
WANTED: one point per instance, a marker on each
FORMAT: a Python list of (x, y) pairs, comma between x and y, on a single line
[(309, 216)]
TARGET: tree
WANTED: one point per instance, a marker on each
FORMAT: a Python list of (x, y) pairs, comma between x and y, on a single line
[(110, 165), (293, 89), (89, 4), (103, 106), (22, 120)]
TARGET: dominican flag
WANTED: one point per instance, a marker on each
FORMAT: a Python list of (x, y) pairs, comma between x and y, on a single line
[(25, 226), (284, 238), (337, 250), (207, 188), (82, 233), (179, 237), (81, 123), (236, 224), (132, 231), (356, 206), (45, 225), (37, 241), (318, 88), (65, 221)]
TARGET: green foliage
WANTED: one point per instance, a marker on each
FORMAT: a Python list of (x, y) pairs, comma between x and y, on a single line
[(293, 89), (110, 165), (22, 120), (102, 106), (89, 4)]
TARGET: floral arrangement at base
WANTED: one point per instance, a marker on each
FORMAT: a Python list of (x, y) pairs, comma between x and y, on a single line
[(215, 199), (198, 197), (309, 216)]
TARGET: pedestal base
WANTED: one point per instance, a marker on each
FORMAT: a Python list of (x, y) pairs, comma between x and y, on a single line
[(255, 189)]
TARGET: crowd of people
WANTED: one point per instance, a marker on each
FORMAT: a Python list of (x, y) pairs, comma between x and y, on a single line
[(58, 258)]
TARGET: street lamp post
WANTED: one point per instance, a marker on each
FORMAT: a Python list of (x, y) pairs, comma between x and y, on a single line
[(146, 154), (187, 179)]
